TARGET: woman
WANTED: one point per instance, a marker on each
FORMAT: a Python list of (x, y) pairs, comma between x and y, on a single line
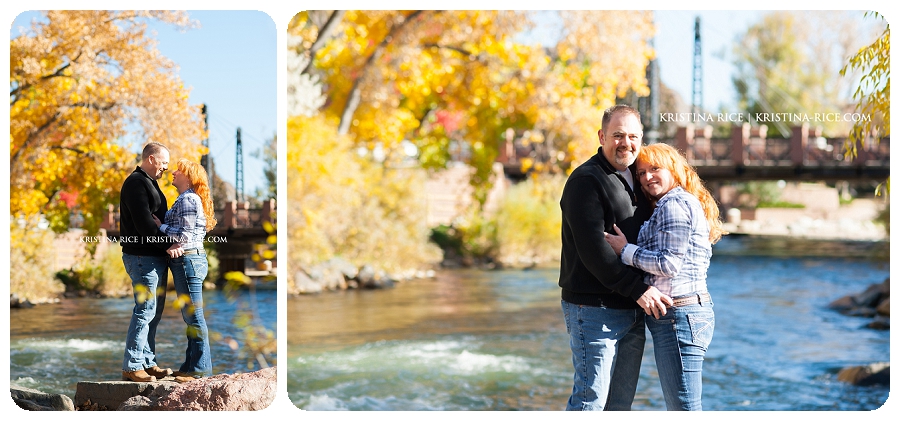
[(673, 249), (187, 222)]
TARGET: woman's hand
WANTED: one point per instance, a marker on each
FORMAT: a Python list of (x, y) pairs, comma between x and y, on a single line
[(617, 241), (156, 220)]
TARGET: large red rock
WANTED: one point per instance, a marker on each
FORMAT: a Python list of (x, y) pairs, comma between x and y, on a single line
[(223, 392)]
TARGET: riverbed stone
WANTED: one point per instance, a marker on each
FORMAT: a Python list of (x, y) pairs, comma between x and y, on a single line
[(109, 395), (223, 392), (873, 302), (884, 308), (304, 284), (349, 270), (868, 375), (35, 400)]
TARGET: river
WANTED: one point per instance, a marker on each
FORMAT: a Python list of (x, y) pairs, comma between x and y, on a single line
[(495, 340), (55, 346)]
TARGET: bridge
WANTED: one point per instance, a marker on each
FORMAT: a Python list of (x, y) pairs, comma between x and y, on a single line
[(806, 156), (239, 231), (748, 155)]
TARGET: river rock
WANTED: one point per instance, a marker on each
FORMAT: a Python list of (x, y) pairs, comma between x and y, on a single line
[(880, 322), (870, 375), (369, 278), (884, 308), (347, 269), (109, 395), (35, 400), (16, 302), (872, 302), (223, 392), (303, 284)]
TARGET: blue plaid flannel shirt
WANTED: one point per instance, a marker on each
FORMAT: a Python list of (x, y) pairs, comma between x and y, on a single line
[(185, 221), (673, 247)]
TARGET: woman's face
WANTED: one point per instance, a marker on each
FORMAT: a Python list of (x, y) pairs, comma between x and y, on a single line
[(180, 181), (655, 181)]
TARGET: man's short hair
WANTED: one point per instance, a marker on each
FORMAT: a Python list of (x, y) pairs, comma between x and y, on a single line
[(619, 108), (152, 148)]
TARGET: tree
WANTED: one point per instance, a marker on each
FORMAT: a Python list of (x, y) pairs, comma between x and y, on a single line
[(81, 84), (457, 80), (269, 154), (873, 94), (788, 63)]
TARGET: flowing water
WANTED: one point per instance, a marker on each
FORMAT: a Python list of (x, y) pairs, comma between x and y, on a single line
[(55, 346), (495, 340)]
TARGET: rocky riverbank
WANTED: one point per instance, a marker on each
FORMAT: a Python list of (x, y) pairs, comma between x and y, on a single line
[(223, 392), (873, 303), (339, 274)]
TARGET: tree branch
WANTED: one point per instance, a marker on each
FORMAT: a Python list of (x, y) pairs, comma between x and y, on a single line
[(353, 97), (324, 35)]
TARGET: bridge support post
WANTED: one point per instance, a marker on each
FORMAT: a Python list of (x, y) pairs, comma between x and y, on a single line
[(684, 138), (109, 222), (229, 215), (268, 210), (740, 139), (799, 143)]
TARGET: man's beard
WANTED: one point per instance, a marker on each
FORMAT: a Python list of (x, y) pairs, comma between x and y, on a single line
[(626, 161)]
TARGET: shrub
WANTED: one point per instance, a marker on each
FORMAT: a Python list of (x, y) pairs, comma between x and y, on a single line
[(529, 221), (31, 263), (345, 205), (102, 274)]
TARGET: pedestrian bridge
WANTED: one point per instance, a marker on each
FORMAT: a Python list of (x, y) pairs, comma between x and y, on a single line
[(239, 231), (806, 156)]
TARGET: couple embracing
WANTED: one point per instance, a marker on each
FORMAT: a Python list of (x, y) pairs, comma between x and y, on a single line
[(166, 239), (637, 235)]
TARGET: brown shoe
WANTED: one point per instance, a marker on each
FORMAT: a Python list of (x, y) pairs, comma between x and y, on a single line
[(158, 372), (137, 376), (183, 374), (184, 379)]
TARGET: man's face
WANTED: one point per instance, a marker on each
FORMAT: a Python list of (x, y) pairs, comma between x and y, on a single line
[(621, 140), (159, 163)]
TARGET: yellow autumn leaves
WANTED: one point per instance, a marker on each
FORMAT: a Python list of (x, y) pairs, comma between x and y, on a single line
[(81, 83)]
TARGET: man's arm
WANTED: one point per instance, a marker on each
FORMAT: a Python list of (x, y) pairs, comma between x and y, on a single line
[(584, 213), (136, 196)]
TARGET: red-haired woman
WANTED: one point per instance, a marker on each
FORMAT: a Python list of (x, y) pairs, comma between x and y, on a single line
[(673, 249), (187, 222)]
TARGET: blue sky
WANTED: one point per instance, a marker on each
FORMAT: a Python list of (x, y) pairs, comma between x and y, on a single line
[(229, 63)]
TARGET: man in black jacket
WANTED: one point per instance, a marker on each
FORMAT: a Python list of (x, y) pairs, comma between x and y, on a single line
[(144, 255), (603, 300)]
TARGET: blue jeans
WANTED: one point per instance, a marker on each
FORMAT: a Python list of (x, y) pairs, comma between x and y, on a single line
[(188, 273), (607, 348), (680, 340), (149, 275)]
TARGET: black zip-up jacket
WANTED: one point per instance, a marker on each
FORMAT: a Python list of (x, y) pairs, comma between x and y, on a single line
[(595, 197), (140, 197)]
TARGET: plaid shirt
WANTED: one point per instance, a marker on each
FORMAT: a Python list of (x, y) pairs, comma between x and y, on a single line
[(673, 246), (185, 221)]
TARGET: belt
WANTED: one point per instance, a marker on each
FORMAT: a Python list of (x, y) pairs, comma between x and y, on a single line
[(194, 251), (700, 297)]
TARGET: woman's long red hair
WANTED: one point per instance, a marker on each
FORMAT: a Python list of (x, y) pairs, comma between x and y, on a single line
[(200, 184)]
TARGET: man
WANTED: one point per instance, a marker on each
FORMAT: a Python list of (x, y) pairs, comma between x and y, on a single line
[(144, 255), (603, 300)]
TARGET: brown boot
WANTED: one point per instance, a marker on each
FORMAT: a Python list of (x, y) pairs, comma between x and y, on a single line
[(158, 372), (184, 379), (137, 376)]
